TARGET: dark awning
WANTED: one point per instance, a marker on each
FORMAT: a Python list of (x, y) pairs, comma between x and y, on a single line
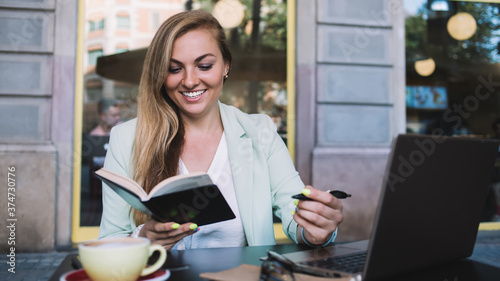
[(123, 67), (127, 66)]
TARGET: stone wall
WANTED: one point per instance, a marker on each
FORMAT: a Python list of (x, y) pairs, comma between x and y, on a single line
[(37, 86), (350, 99)]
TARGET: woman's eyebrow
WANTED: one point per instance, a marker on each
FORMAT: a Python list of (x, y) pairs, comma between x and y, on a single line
[(198, 59), (203, 56), (175, 61)]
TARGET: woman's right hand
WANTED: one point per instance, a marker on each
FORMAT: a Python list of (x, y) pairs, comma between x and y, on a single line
[(168, 233)]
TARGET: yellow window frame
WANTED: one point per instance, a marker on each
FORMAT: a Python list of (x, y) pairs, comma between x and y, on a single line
[(85, 233)]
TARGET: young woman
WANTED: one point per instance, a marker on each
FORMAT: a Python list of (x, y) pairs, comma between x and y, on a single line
[(182, 127)]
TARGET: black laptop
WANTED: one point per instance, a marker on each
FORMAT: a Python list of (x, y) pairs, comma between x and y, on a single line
[(431, 201)]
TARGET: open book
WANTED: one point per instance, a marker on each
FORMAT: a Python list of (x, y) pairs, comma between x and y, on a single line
[(182, 198)]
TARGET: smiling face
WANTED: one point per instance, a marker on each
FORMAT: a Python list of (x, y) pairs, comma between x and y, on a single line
[(195, 74)]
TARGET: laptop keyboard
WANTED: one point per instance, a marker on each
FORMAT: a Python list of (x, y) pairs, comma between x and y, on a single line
[(350, 264)]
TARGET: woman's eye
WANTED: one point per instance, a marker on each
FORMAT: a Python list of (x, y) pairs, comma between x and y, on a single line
[(205, 66), (173, 69)]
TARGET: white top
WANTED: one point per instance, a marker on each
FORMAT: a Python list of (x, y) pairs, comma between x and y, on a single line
[(222, 234)]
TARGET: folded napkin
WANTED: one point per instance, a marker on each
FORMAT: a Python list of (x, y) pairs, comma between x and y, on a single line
[(247, 272)]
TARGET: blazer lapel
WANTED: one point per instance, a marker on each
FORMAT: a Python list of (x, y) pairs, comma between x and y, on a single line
[(240, 150)]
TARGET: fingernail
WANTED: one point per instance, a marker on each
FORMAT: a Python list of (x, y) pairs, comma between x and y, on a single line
[(193, 226), (293, 213), (175, 226), (296, 202), (306, 191), (296, 209), (196, 230)]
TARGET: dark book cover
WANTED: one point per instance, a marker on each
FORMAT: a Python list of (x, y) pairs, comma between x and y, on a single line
[(197, 204)]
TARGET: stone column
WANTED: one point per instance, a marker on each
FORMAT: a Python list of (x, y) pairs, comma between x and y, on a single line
[(37, 63), (350, 99)]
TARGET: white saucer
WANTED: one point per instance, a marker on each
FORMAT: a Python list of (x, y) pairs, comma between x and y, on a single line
[(81, 275)]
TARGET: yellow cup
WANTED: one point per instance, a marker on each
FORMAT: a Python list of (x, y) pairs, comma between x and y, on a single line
[(119, 258)]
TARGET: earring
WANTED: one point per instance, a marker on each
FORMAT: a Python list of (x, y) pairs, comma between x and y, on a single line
[(226, 76)]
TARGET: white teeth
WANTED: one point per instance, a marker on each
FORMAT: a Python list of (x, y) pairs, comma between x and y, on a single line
[(193, 94)]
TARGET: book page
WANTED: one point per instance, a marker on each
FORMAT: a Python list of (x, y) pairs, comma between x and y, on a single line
[(180, 183)]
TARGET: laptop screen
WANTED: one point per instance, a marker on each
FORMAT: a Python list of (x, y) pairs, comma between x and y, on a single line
[(431, 202)]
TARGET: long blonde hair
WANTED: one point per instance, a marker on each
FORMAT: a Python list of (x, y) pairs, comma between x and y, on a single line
[(160, 134)]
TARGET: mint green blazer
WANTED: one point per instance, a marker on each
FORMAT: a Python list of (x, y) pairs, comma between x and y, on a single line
[(263, 173)]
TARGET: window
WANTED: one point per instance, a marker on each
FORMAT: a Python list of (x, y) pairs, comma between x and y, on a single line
[(93, 55), (452, 63), (96, 25), (120, 50), (100, 24), (123, 22), (155, 21), (257, 82), (258, 42)]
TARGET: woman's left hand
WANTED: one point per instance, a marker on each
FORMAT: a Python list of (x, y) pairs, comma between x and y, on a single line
[(319, 217)]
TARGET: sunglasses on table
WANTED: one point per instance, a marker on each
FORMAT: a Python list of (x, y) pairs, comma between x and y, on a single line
[(279, 268)]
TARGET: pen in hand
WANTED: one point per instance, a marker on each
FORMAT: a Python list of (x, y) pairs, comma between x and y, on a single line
[(337, 193)]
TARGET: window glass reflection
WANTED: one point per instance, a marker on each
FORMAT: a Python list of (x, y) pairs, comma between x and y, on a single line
[(115, 47), (453, 73)]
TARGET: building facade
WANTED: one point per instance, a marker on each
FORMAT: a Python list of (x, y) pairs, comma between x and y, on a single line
[(349, 78)]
